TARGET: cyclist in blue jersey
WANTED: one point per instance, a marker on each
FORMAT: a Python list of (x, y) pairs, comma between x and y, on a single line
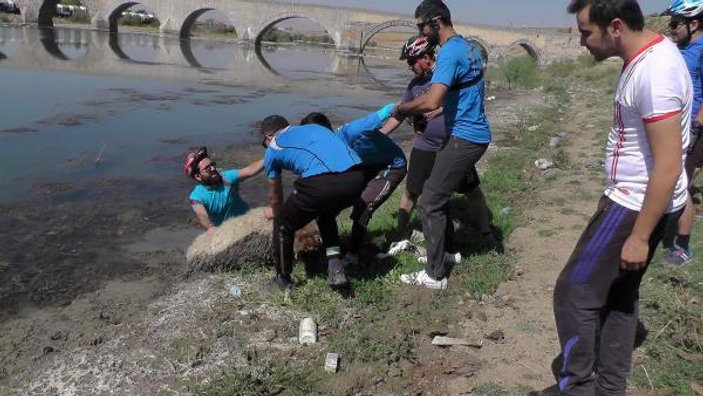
[(383, 160), (458, 87), (430, 136), (330, 181), (216, 198), (686, 28)]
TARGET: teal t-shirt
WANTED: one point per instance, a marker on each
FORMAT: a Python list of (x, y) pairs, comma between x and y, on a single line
[(223, 201)]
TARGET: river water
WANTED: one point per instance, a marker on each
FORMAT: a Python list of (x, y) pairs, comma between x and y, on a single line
[(94, 127)]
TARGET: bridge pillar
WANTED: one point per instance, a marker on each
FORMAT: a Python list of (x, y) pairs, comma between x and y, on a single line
[(170, 26), (29, 11)]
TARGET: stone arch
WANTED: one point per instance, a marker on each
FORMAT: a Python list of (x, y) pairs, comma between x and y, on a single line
[(368, 34), (116, 12), (529, 47), (47, 11), (331, 31), (190, 20)]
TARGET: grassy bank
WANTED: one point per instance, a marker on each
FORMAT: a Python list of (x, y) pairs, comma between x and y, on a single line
[(379, 326), (380, 329)]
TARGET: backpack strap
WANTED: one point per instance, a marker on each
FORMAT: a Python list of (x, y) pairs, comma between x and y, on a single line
[(473, 81)]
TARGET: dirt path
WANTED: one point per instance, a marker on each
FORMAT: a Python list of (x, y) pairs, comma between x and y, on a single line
[(541, 248)]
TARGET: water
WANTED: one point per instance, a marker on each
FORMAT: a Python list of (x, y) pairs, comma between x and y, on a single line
[(94, 128)]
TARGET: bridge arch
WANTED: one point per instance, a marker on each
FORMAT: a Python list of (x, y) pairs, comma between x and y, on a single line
[(333, 32), (374, 30), (187, 26), (116, 12), (529, 47)]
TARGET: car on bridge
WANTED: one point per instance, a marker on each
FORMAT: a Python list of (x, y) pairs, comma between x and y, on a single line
[(9, 6)]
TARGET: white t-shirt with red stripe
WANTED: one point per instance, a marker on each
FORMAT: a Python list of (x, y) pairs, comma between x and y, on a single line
[(654, 85)]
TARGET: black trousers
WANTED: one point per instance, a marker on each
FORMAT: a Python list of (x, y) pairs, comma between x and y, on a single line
[(319, 197), (454, 162), (593, 295)]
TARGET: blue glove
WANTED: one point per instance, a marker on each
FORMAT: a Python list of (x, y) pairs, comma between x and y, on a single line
[(385, 112)]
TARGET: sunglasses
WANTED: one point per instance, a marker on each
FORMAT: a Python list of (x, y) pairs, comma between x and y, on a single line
[(421, 25), (673, 25)]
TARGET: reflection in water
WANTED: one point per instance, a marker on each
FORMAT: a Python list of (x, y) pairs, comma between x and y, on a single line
[(209, 55), (97, 51), (2, 56), (65, 44)]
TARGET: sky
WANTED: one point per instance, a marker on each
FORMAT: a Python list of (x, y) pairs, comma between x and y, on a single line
[(518, 13)]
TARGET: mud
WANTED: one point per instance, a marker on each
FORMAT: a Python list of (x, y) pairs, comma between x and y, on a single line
[(92, 297)]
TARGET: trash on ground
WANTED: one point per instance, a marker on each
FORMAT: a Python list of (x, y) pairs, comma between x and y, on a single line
[(506, 210), (497, 336), (307, 332), (544, 164), (449, 341), (235, 291), (595, 164), (331, 362), (554, 142), (490, 98), (533, 128)]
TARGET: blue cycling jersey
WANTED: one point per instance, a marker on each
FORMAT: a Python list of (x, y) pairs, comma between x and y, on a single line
[(459, 62), (692, 54), (373, 147), (222, 201), (308, 150)]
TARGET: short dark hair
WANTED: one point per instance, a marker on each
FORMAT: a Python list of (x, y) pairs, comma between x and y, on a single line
[(273, 124), (430, 9), (602, 12), (317, 118)]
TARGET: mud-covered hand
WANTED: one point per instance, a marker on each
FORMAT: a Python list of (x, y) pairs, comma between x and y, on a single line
[(634, 254)]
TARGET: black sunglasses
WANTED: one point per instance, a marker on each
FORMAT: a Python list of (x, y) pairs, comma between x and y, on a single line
[(421, 25), (673, 25)]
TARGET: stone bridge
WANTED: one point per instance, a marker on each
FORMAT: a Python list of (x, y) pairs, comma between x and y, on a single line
[(351, 29)]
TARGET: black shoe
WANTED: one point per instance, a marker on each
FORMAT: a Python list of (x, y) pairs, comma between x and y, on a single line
[(551, 391), (336, 276), (283, 282)]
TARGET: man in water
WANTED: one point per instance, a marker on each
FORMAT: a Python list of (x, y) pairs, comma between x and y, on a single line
[(215, 198)]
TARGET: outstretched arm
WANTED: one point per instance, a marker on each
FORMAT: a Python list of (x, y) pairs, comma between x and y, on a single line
[(430, 101), (664, 138), (251, 170)]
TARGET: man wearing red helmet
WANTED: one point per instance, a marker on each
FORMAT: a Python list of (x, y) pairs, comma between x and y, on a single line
[(216, 198), (430, 135)]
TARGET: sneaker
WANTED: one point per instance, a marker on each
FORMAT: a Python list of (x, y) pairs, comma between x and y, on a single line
[(283, 282), (351, 258), (449, 258), (422, 279), (401, 246), (678, 256), (336, 276)]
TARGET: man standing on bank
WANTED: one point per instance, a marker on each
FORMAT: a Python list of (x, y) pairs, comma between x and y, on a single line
[(686, 29), (598, 289), (330, 181), (458, 86)]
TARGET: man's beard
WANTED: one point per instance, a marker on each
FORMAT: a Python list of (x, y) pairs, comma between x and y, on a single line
[(212, 179), (433, 38)]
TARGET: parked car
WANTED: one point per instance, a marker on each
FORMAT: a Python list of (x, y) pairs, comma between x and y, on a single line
[(64, 10), (9, 6)]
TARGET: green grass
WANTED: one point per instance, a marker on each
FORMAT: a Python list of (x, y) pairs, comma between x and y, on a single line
[(379, 324), (675, 324)]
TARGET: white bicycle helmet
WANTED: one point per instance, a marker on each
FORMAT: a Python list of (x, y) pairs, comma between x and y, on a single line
[(686, 8)]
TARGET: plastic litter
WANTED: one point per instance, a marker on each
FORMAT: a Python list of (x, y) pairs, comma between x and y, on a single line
[(235, 291), (544, 164), (506, 210), (307, 332), (331, 362)]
